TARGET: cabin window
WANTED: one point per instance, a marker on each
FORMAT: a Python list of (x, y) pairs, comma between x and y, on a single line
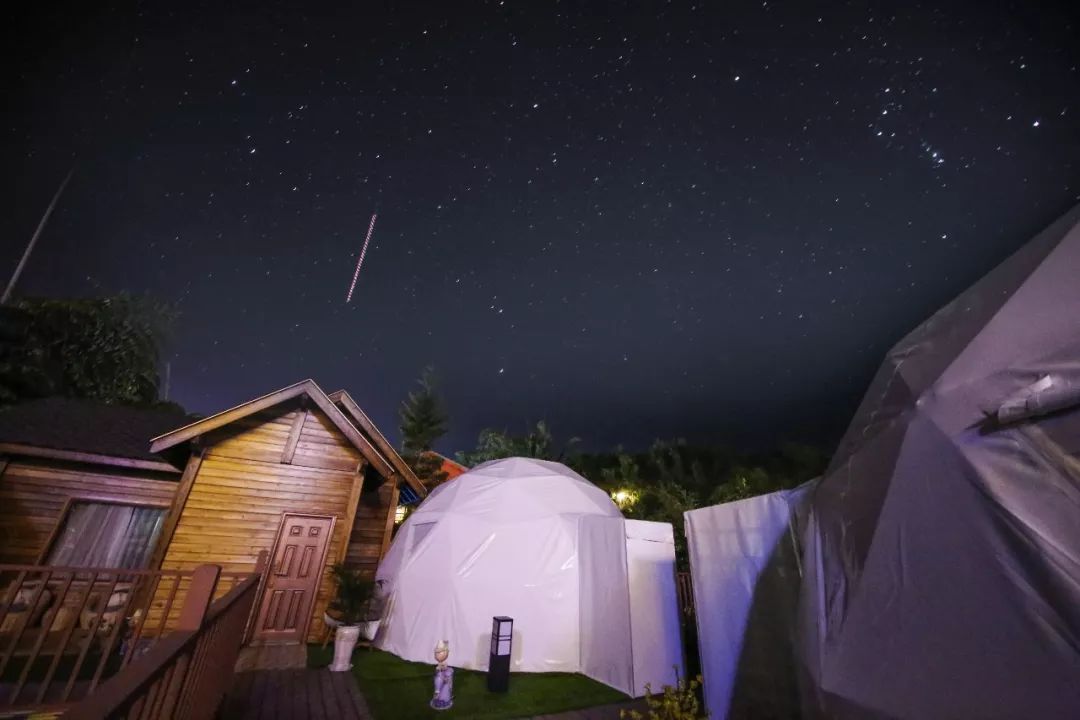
[(96, 534), (419, 532)]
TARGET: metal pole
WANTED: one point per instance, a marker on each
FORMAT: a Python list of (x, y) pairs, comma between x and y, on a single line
[(33, 240)]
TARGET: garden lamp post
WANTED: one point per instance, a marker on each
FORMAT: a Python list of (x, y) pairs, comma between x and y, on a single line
[(502, 634)]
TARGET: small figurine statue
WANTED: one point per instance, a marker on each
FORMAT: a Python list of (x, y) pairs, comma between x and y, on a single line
[(443, 698)]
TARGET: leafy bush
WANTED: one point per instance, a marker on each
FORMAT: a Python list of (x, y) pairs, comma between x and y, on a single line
[(357, 596), (676, 702)]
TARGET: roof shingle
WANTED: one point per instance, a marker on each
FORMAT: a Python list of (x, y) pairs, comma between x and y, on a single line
[(88, 426)]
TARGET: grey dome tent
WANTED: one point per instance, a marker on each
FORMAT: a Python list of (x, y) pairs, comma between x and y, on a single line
[(941, 550)]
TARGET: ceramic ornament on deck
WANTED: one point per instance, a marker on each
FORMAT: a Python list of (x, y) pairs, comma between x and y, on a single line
[(443, 698)]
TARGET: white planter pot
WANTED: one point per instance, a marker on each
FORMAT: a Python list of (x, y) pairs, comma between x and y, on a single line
[(345, 638), (370, 629)]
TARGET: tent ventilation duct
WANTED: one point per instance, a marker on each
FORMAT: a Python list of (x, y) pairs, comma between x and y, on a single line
[(1046, 395)]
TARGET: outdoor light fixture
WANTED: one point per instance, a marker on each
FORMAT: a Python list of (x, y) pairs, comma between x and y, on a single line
[(399, 514), (624, 498), (502, 634)]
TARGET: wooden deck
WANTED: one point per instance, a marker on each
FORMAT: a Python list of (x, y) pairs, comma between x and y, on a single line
[(306, 694), (287, 694)]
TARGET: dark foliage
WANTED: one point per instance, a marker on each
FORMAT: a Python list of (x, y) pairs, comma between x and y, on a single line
[(537, 443), (105, 349), (423, 421)]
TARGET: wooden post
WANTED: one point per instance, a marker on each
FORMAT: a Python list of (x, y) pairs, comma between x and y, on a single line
[(187, 480), (262, 569), (350, 510), (199, 595), (294, 433), (390, 492)]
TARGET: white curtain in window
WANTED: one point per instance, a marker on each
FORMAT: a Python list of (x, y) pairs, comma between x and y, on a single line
[(107, 535)]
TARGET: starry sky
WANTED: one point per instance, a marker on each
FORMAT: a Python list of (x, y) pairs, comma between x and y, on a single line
[(636, 220)]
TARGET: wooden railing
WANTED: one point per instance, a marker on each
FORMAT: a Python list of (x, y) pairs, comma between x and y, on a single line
[(187, 674), (65, 631), (685, 587)]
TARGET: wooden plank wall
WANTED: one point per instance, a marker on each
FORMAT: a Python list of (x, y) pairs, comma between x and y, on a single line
[(33, 493), (366, 542), (243, 487)]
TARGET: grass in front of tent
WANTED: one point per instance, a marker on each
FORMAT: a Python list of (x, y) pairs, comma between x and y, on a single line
[(395, 688)]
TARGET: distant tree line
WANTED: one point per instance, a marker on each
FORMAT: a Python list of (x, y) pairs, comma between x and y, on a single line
[(660, 483)]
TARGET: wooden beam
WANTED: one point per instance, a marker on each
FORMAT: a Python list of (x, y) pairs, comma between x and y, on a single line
[(380, 441), (351, 507), (3, 465), (349, 430), (391, 512), (81, 457), (213, 422), (294, 435), (305, 387), (191, 470)]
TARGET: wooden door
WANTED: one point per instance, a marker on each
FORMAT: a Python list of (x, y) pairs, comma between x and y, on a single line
[(293, 579)]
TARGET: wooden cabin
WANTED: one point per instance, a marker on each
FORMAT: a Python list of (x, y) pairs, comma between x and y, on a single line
[(298, 473), (59, 454)]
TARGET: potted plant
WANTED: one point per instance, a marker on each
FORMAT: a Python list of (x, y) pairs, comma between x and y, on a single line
[(358, 611)]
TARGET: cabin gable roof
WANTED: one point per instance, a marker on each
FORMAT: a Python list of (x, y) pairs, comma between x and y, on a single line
[(342, 399), (304, 388)]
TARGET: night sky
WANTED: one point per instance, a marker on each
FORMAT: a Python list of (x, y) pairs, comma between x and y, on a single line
[(634, 220)]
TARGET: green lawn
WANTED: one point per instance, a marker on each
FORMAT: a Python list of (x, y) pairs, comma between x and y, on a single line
[(395, 688)]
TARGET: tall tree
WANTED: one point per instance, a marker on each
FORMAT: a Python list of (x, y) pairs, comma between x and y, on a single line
[(105, 349), (498, 444), (423, 421)]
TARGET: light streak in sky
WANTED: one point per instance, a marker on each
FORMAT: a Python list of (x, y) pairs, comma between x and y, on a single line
[(363, 251)]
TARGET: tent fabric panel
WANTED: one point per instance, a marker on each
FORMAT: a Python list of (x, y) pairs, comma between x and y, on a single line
[(887, 400), (946, 621), (730, 546), (464, 573), (606, 645), (654, 605), (943, 337), (1039, 313), (519, 489), (961, 597), (847, 507)]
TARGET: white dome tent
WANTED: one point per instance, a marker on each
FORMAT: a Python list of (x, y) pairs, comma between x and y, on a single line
[(536, 541)]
